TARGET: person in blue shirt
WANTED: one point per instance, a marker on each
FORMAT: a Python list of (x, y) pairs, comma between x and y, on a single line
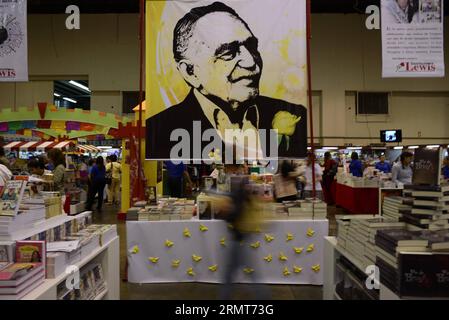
[(97, 184), (176, 175), (446, 168), (356, 166), (383, 165)]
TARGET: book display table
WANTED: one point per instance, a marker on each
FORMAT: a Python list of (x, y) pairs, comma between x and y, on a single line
[(283, 252), (361, 200)]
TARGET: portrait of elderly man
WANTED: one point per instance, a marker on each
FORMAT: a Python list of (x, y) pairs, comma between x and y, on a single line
[(218, 57)]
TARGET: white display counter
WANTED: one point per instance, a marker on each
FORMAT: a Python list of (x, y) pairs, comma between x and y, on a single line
[(151, 259)]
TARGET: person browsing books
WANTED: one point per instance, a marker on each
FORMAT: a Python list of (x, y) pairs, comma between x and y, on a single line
[(402, 173), (383, 165), (57, 160), (97, 184), (356, 166), (115, 169)]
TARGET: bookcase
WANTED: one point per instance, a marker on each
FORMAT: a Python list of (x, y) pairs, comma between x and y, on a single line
[(107, 255), (330, 269)]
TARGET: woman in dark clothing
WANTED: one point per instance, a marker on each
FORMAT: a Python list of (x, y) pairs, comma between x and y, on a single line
[(97, 184), (330, 170)]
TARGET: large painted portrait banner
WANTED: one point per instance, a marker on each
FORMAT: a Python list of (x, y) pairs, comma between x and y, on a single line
[(226, 79)]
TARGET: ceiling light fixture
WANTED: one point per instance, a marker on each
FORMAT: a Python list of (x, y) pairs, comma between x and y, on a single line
[(56, 94), (69, 100), (79, 85)]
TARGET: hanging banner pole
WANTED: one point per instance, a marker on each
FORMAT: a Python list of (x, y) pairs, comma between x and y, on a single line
[(139, 122), (309, 94)]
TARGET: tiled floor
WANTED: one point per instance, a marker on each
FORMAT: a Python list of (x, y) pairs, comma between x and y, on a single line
[(199, 291)]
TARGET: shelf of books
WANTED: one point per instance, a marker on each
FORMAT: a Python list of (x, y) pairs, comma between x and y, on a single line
[(402, 254), (46, 254), (105, 258)]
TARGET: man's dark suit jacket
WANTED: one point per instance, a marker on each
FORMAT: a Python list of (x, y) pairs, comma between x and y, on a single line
[(181, 116)]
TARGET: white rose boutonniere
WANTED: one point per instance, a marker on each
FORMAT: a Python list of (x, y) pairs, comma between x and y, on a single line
[(285, 123)]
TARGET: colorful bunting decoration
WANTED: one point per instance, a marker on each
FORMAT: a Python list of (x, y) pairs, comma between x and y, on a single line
[(44, 124), (15, 125), (72, 125)]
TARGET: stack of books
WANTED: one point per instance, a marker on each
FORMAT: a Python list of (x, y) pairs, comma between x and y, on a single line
[(430, 207), (343, 224), (389, 243), (19, 278), (394, 207), (344, 227), (366, 230), (307, 209)]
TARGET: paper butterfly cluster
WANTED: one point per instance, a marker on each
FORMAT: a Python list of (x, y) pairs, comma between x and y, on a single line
[(310, 232), (153, 259), (190, 272), (255, 245), (213, 268), (268, 258), (248, 270), (316, 268), (297, 269), (135, 250), (282, 257), (187, 233), (298, 250)]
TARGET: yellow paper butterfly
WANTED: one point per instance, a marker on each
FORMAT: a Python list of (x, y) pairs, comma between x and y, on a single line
[(203, 228), (310, 247), (135, 250), (297, 269), (255, 245), (196, 258), (316, 268), (175, 263), (269, 238), (298, 250), (282, 256), (213, 268), (190, 272), (153, 259), (169, 243), (223, 241), (187, 233), (289, 237), (268, 258), (230, 226), (286, 272), (248, 270), (310, 232)]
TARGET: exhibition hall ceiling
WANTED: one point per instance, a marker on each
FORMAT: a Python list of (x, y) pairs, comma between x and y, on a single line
[(132, 6)]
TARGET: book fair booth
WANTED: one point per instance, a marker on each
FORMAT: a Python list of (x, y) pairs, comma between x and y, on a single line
[(222, 178)]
